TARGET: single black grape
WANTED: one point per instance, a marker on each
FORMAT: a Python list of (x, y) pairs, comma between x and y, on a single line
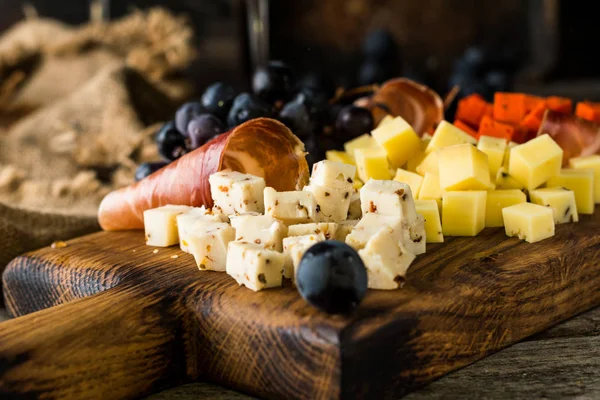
[(218, 98), (274, 82), (317, 84), (317, 146), (332, 277), (202, 128), (352, 122), (379, 45), (246, 107), (145, 169), (170, 142), (295, 115), (185, 113)]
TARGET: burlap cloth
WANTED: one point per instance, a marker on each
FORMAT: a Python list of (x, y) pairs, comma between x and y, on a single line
[(78, 109)]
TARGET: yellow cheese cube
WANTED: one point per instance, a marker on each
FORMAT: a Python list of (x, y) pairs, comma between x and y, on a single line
[(430, 189), (496, 201), (371, 164), (463, 167), (429, 164), (414, 161), (509, 147), (529, 222), (505, 181), (411, 179), (447, 134), (433, 225), (463, 213), (536, 161), (398, 139), (580, 181), (589, 162), (385, 120), (495, 149), (365, 141), (339, 156), (560, 200)]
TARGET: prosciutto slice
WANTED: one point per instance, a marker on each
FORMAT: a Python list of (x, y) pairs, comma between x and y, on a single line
[(262, 147)]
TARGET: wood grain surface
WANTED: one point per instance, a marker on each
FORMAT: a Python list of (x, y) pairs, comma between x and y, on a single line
[(162, 322)]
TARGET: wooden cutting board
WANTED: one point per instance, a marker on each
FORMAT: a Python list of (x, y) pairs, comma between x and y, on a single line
[(130, 321)]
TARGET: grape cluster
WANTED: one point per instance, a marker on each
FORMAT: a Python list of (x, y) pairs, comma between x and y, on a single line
[(307, 106)]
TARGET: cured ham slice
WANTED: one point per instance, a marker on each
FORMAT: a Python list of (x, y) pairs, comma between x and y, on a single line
[(262, 147), (576, 136)]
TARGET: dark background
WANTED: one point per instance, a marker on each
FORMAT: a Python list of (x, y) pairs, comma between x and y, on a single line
[(552, 44)]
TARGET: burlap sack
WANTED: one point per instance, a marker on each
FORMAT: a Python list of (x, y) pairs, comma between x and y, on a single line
[(78, 110)]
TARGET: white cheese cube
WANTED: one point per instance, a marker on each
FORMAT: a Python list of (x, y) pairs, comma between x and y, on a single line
[(187, 219), (259, 229), (160, 225), (388, 198), (237, 193), (294, 207), (333, 174), (414, 235), (369, 225), (254, 266), (328, 229), (386, 260), (332, 203), (208, 244), (294, 248), (354, 210), (344, 228)]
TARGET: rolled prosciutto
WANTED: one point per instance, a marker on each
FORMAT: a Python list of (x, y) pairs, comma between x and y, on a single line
[(262, 147)]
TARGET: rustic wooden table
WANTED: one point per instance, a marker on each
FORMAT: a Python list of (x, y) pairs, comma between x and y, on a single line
[(562, 362)]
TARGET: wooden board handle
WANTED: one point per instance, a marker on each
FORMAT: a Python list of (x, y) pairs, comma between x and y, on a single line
[(116, 344)]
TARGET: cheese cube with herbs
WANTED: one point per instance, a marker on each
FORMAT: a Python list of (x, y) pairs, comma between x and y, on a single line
[(536, 161), (388, 198), (259, 229), (430, 189), (494, 148), (237, 193), (295, 207), (386, 261), (354, 210), (339, 156), (160, 225), (254, 266), (593, 163), (369, 225), (560, 200), (328, 229), (496, 201), (189, 218), (429, 164), (447, 134), (332, 203), (207, 242), (371, 164), (463, 213), (411, 179), (463, 167), (398, 139), (344, 228), (333, 174), (365, 141), (580, 181), (505, 181), (294, 248), (414, 235), (529, 222), (433, 224)]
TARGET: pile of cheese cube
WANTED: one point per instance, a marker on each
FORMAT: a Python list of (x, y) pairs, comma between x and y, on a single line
[(259, 235), (475, 184)]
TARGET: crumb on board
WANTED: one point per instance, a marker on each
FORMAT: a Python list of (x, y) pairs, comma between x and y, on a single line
[(174, 256), (59, 244), (155, 251), (133, 251)]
